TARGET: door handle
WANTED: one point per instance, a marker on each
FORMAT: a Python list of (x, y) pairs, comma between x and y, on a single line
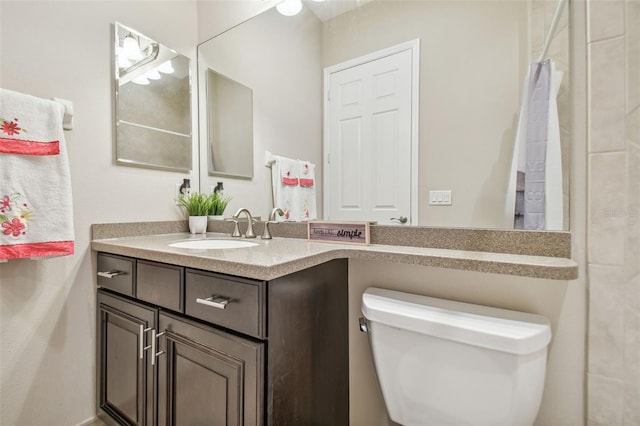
[(401, 219)]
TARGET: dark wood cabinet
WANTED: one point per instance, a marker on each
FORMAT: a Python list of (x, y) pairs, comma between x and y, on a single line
[(208, 377), (229, 351), (126, 380), (308, 347)]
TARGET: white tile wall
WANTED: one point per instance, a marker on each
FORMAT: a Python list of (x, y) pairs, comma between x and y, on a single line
[(632, 353), (614, 213), (606, 19), (606, 329), (607, 95), (607, 208), (632, 34), (606, 401)]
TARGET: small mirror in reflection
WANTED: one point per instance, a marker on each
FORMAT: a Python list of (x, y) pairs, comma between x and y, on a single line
[(229, 127)]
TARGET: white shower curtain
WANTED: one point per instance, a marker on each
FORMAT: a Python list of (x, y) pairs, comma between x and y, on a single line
[(551, 217)]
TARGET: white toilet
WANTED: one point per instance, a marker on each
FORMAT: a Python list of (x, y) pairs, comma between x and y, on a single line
[(441, 362)]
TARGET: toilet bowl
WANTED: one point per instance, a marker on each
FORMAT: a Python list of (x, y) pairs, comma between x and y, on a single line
[(441, 362)]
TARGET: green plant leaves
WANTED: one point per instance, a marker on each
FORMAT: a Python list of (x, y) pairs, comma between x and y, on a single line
[(198, 204), (218, 203)]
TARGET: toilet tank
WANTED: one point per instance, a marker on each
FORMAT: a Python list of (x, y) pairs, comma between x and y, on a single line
[(442, 362)]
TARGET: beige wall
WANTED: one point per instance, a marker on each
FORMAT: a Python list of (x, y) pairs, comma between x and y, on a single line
[(218, 16), (47, 307), (614, 213)]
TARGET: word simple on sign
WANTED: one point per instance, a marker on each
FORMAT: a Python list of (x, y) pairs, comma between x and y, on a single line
[(340, 232)]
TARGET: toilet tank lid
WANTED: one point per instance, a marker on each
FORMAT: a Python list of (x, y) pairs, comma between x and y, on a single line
[(493, 328)]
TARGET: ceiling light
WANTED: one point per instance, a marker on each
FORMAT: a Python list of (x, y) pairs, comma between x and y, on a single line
[(289, 7)]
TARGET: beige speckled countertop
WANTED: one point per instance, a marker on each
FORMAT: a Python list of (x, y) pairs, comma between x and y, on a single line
[(282, 256)]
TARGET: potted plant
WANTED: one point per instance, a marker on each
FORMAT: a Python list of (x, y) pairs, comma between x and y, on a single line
[(197, 206), (217, 204)]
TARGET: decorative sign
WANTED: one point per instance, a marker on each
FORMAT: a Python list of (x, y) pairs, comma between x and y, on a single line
[(339, 232)]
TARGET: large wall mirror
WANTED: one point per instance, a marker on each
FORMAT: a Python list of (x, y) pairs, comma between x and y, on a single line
[(153, 103), (473, 61)]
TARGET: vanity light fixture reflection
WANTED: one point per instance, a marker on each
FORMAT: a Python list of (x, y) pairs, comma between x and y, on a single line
[(142, 80), (166, 68), (131, 48), (153, 74), (133, 56)]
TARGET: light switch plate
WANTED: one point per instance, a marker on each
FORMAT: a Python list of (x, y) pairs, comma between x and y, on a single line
[(440, 198)]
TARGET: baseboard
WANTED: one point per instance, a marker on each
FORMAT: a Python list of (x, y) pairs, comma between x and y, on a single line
[(94, 421)]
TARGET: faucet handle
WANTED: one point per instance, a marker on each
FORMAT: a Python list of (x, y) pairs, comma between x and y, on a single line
[(236, 230), (250, 232), (266, 235)]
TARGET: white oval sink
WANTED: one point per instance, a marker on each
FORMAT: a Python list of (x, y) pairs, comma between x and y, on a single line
[(212, 244)]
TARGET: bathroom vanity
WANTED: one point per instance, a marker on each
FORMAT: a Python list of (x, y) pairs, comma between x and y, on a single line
[(257, 335), (185, 346)]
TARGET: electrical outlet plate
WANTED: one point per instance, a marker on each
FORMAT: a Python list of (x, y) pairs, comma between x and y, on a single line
[(177, 194)]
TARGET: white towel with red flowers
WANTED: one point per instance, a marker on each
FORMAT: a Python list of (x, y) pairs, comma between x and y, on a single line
[(284, 177), (294, 189), (36, 210), (307, 191)]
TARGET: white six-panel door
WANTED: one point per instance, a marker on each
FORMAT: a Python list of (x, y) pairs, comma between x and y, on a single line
[(371, 137)]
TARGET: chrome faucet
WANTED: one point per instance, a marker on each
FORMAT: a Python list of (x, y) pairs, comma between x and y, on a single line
[(272, 215), (249, 233), (266, 235)]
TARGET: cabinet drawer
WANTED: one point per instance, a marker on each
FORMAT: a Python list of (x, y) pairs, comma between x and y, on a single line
[(116, 273), (160, 284), (233, 303)]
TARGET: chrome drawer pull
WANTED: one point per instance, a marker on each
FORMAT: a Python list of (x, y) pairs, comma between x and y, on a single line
[(111, 274), (154, 354), (154, 337), (219, 302)]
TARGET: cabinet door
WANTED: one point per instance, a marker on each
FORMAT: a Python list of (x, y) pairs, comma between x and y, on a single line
[(207, 376), (126, 379)]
